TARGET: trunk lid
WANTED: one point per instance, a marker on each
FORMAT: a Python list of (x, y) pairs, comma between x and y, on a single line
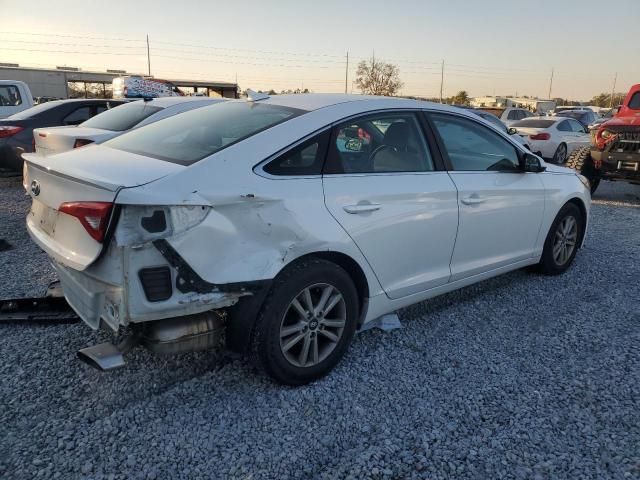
[(88, 174), (52, 140)]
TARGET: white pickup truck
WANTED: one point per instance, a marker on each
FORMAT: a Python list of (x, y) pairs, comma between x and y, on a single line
[(15, 97)]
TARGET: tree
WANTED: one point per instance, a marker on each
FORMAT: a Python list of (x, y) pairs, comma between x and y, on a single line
[(604, 100), (376, 77), (460, 98)]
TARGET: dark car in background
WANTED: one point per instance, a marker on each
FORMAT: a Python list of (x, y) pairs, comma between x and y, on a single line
[(16, 131), (585, 117)]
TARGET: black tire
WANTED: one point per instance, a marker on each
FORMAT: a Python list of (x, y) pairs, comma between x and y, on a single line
[(561, 154), (266, 350), (581, 161), (548, 263)]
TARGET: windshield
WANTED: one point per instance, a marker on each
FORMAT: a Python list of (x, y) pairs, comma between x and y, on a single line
[(194, 135), (576, 114), (534, 123), (123, 117)]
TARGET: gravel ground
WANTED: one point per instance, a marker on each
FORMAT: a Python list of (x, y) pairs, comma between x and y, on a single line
[(522, 376)]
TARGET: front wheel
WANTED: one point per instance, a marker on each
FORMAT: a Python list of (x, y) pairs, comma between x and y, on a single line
[(563, 240), (581, 161), (561, 154), (306, 323)]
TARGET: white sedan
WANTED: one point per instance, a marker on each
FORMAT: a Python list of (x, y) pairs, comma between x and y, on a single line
[(288, 222), (113, 122), (554, 138)]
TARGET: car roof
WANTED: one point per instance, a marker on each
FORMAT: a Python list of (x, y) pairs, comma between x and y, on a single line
[(169, 101), (316, 101)]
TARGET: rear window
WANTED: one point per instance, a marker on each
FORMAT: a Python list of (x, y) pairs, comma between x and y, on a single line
[(33, 111), (194, 135), (10, 96), (575, 114), (123, 117), (534, 123)]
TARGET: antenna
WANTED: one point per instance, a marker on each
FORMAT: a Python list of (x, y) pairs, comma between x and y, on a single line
[(253, 96)]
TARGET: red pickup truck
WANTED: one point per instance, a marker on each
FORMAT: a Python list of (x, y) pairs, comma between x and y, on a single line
[(615, 153)]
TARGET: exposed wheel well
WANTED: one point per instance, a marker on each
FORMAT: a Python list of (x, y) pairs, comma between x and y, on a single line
[(583, 210), (351, 267)]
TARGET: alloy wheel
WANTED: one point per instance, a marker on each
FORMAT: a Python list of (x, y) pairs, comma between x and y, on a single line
[(312, 325), (565, 239), (561, 155)]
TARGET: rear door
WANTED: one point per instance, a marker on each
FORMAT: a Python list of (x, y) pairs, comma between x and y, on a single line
[(383, 184), (501, 207)]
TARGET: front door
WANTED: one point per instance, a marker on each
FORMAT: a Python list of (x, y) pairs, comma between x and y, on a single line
[(501, 206), (381, 185)]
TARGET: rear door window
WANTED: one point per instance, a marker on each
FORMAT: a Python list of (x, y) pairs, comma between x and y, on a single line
[(78, 116), (383, 143), (564, 126)]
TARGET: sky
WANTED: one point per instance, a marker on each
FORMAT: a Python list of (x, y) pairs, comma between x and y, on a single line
[(489, 47)]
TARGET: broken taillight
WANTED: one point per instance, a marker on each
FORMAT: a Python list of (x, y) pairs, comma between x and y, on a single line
[(94, 216)]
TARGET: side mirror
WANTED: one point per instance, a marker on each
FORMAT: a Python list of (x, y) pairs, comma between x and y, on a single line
[(512, 131), (532, 164)]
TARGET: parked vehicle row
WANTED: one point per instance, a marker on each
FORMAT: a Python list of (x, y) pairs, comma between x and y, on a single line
[(113, 122), (285, 223), (16, 131)]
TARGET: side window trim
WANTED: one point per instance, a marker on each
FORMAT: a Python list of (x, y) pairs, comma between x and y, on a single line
[(443, 151), (324, 148)]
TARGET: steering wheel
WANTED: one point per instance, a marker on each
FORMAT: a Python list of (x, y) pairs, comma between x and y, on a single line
[(379, 149)]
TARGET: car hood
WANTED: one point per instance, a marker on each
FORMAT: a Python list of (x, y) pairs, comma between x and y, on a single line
[(623, 122), (105, 167), (552, 168)]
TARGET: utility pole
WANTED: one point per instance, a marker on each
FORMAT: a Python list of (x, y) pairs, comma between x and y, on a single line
[(148, 56), (550, 84), (441, 80), (346, 74), (615, 79)]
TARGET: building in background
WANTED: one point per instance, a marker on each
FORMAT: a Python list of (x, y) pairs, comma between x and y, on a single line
[(72, 82), (532, 104)]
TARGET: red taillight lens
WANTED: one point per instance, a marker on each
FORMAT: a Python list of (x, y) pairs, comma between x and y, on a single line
[(81, 142), (9, 131), (540, 136), (94, 216)]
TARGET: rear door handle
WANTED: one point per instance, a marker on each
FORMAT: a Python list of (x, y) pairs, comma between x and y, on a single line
[(473, 199), (362, 208)]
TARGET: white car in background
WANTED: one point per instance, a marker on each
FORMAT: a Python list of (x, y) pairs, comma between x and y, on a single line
[(511, 115), (500, 125), (554, 138), (114, 122), (288, 222)]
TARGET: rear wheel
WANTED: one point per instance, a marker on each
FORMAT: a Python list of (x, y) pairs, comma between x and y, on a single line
[(563, 240), (581, 161), (561, 154), (306, 323)]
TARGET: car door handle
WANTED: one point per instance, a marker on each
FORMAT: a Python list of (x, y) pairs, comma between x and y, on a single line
[(473, 199), (362, 208)]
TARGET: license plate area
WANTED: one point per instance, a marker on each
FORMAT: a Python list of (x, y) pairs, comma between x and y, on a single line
[(45, 217)]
